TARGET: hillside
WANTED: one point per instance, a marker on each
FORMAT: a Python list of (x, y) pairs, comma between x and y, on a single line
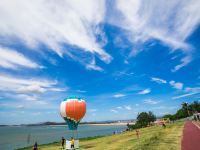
[(152, 138)]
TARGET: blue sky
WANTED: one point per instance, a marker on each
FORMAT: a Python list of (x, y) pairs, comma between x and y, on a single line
[(122, 57)]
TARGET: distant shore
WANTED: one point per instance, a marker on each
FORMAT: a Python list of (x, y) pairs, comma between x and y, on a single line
[(81, 123), (97, 124), (113, 124), (103, 124)]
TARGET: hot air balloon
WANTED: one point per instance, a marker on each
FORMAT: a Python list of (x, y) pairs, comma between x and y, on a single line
[(73, 109)]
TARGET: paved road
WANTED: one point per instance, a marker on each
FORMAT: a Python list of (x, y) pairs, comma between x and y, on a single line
[(191, 137)]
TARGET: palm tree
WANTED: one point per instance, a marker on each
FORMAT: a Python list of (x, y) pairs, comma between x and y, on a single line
[(185, 107)]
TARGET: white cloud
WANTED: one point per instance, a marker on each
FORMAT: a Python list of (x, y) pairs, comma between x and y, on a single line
[(128, 107), (24, 85), (93, 66), (192, 89), (12, 59), (123, 73), (176, 85), (119, 107), (55, 24), (54, 89), (153, 19), (26, 97), (119, 95), (184, 61), (81, 91), (171, 22), (145, 91), (158, 80), (184, 95), (150, 101), (114, 111), (137, 105), (32, 88)]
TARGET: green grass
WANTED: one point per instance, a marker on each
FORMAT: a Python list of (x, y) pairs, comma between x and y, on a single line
[(152, 138)]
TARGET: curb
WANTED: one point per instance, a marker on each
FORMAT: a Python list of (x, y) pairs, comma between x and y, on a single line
[(196, 124)]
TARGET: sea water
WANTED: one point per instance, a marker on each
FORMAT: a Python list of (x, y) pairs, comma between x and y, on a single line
[(12, 137)]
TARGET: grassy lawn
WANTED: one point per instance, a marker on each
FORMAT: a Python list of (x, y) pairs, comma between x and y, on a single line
[(152, 138)]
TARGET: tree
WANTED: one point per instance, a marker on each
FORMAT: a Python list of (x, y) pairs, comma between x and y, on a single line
[(195, 106), (171, 117), (185, 108), (144, 118), (151, 117), (181, 113)]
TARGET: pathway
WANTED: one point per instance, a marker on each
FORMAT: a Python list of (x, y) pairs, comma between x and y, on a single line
[(191, 137)]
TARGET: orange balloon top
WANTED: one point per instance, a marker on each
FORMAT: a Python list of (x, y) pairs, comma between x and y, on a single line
[(75, 109)]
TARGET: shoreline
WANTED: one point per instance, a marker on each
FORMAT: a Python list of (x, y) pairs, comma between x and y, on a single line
[(97, 124), (58, 142)]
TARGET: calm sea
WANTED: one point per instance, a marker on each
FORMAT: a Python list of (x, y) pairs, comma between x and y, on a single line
[(17, 137)]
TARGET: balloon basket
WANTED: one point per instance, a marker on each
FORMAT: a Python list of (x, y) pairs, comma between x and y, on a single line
[(68, 144)]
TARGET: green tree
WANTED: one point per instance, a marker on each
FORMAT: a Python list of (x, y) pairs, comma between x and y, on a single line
[(181, 113), (195, 106), (171, 117), (151, 117), (185, 108), (144, 118)]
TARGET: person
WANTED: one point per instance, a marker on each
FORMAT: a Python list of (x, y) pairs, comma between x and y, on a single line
[(63, 142), (72, 143), (198, 118), (35, 147), (137, 133), (163, 125)]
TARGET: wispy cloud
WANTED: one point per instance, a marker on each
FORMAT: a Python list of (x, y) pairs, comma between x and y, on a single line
[(114, 111), (81, 91), (184, 95), (176, 85), (12, 59), (151, 102), (55, 24), (119, 107), (158, 80), (25, 85), (153, 20), (184, 61), (25, 101), (192, 89), (92, 66), (128, 107), (137, 105), (145, 91), (26, 97), (119, 95), (123, 73)]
